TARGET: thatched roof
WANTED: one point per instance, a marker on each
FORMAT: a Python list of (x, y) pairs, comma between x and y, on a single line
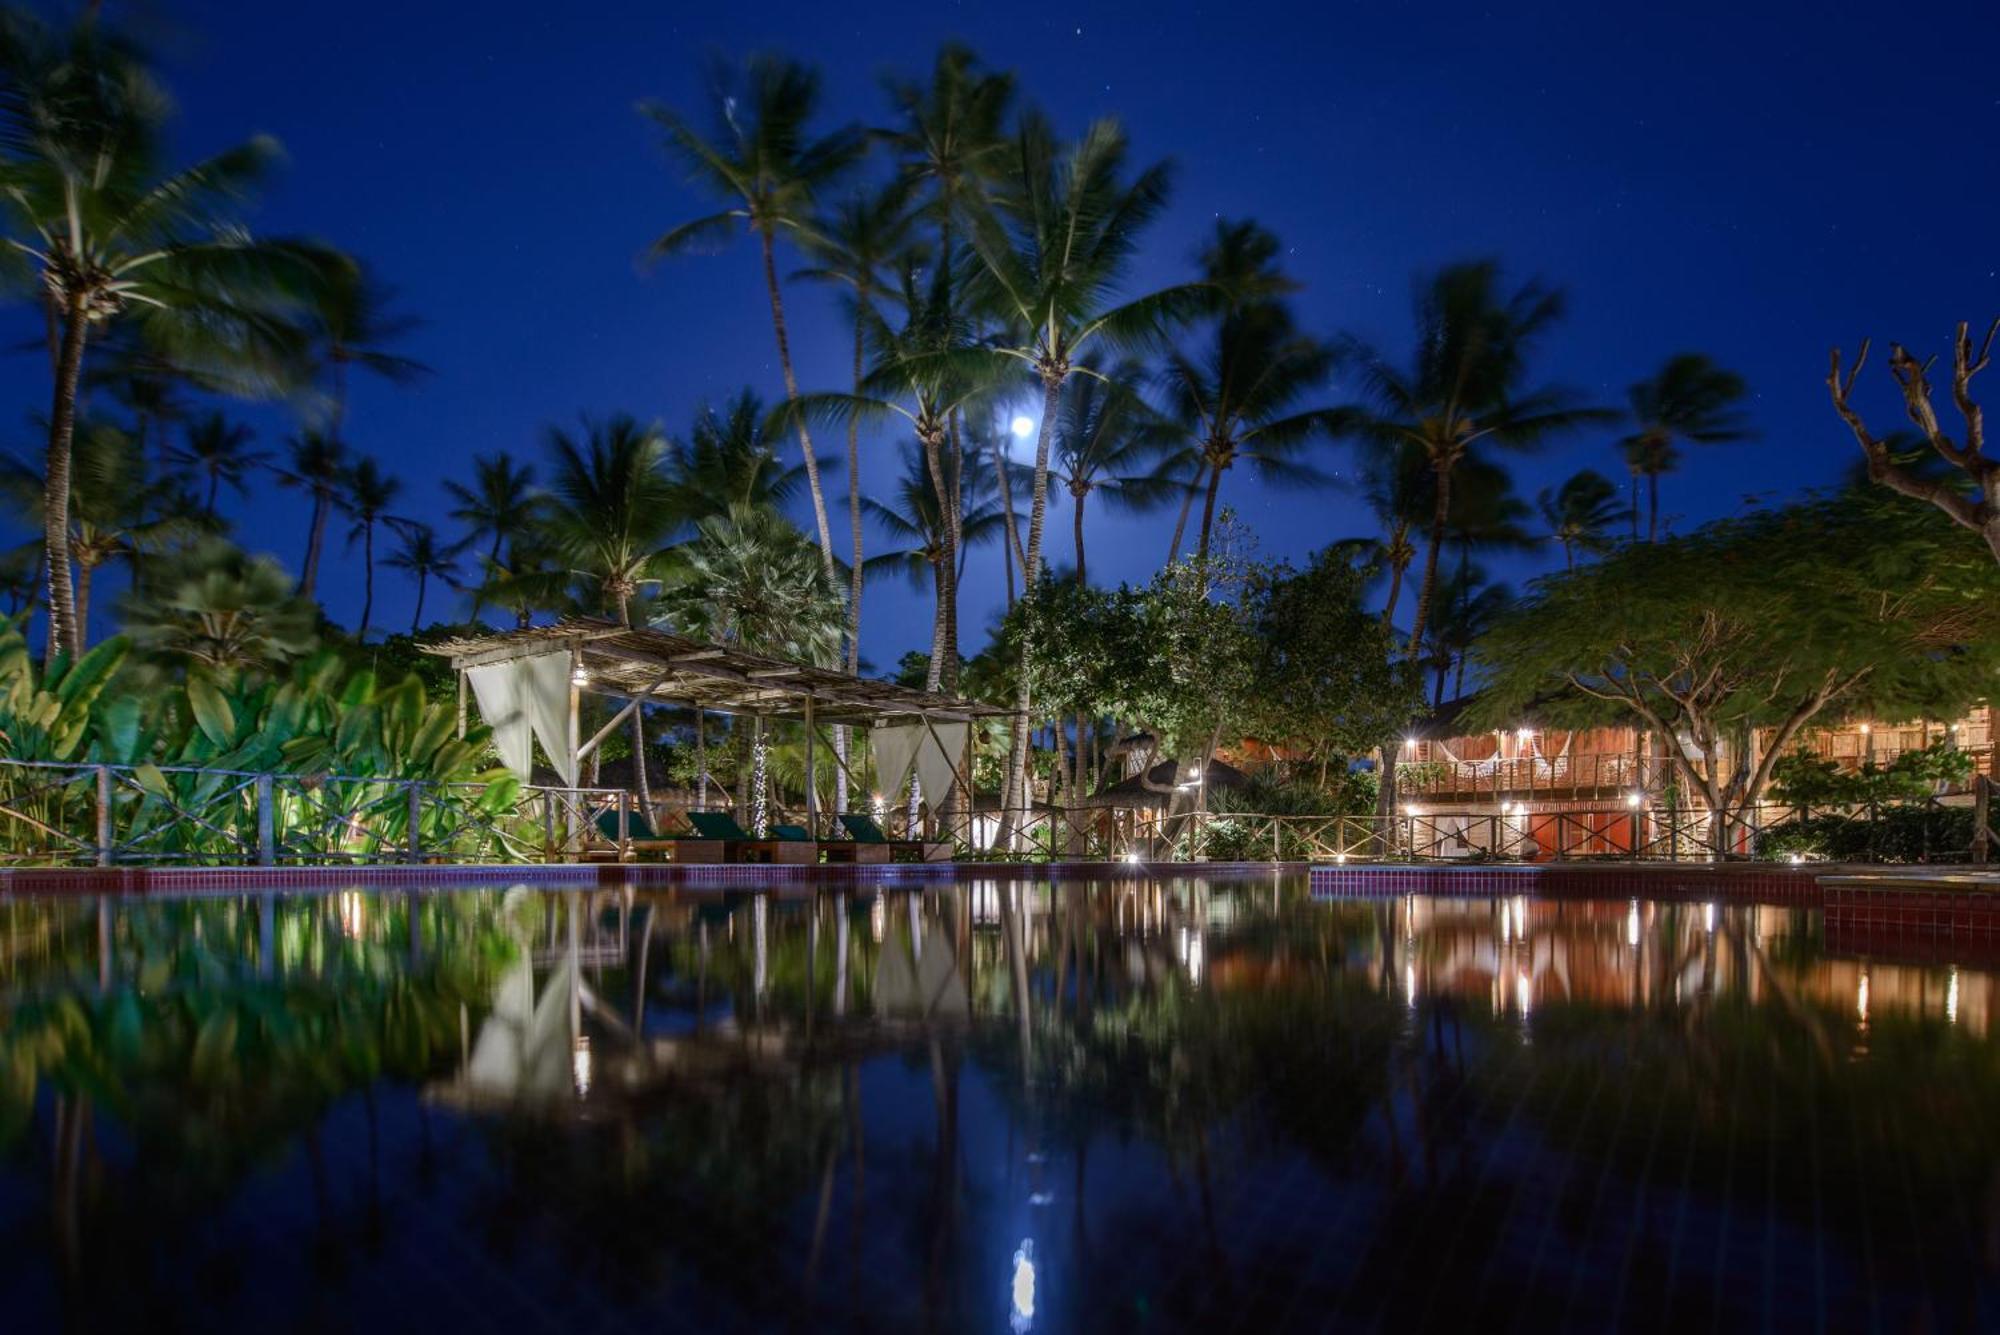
[(638, 661), (1133, 792)]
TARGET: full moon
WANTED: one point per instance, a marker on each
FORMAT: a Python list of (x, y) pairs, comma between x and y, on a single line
[(1024, 426)]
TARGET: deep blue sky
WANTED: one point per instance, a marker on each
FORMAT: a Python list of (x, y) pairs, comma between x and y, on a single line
[(1757, 182)]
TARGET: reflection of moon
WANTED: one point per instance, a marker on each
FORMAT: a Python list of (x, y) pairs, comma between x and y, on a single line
[(1023, 425)]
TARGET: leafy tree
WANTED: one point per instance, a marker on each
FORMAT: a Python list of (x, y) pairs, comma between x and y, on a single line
[(1327, 686), (368, 495), (1690, 399), (1580, 513), (1962, 480), (1848, 603), (217, 451), (1804, 779), (761, 156), (215, 606), (1463, 390), (114, 235)]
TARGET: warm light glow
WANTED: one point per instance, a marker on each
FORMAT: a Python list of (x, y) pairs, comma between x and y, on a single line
[(1951, 999), (1798, 859), (353, 914), (1413, 811), (1524, 992), (1861, 998), (1340, 858), (1132, 858), (1523, 734), (1864, 730), (1632, 925), (1410, 743), (1632, 800), (579, 678), (1023, 426), (1022, 1289)]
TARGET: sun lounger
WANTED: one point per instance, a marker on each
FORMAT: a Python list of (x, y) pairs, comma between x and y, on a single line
[(739, 845), (866, 831)]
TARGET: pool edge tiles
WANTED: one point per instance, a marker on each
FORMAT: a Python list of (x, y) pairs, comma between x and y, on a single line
[(32, 881), (1729, 882)]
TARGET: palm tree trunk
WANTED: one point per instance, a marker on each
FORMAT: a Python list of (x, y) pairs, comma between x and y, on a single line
[(1439, 518), (1396, 569), (1187, 504), (1012, 551), (1652, 507), (315, 542), (1634, 507), (854, 517), (367, 577), (1208, 512), (944, 657), (1016, 789), (1079, 493), (214, 480), (84, 571), (417, 617), (934, 676), (792, 396), (65, 631), (1569, 553), (641, 779)]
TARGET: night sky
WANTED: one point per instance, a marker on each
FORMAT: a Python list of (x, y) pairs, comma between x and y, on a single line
[(1756, 182)]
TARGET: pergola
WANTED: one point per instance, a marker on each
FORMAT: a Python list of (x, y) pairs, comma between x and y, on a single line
[(641, 665)]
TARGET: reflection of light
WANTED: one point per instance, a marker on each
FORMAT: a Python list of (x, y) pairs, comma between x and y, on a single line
[(353, 909), (1023, 426), (1523, 992), (878, 918), (1022, 1290), (1861, 998), (1708, 917), (1410, 982), (579, 1065), (1951, 999), (1191, 955), (1632, 925)]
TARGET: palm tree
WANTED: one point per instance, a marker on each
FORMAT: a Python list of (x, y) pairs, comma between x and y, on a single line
[(318, 467), (1580, 513), (1690, 399), (750, 578), (113, 236), (610, 509), (727, 460), (115, 509), (369, 494), (1111, 440), (926, 553), (1240, 400), (762, 158), (1396, 491), (1463, 389), (1055, 241), (352, 324), (1468, 605), (500, 505), (217, 451), (422, 557), (856, 247)]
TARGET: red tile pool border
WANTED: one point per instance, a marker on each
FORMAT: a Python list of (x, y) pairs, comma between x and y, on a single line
[(1732, 882)]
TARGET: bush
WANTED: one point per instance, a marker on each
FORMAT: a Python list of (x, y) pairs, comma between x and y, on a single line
[(1914, 833)]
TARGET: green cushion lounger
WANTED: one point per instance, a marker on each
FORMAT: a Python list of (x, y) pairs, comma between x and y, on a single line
[(642, 839), (739, 845), (866, 831)]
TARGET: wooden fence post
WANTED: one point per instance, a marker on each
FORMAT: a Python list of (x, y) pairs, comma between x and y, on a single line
[(105, 856), (415, 797), (267, 830), (1982, 819)]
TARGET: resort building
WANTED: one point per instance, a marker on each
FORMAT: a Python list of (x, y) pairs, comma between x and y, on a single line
[(1577, 790)]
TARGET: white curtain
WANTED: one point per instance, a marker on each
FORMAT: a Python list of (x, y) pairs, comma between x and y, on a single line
[(938, 757), (895, 747), (527, 698)]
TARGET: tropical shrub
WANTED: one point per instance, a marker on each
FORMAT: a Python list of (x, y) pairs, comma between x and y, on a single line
[(1906, 832), (1808, 780)]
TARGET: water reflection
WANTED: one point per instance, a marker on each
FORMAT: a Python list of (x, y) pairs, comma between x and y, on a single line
[(1069, 1106)]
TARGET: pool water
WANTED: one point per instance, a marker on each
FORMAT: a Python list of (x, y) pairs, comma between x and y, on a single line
[(1131, 1105)]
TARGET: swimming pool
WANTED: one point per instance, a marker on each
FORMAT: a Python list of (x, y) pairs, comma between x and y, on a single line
[(1147, 1103)]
